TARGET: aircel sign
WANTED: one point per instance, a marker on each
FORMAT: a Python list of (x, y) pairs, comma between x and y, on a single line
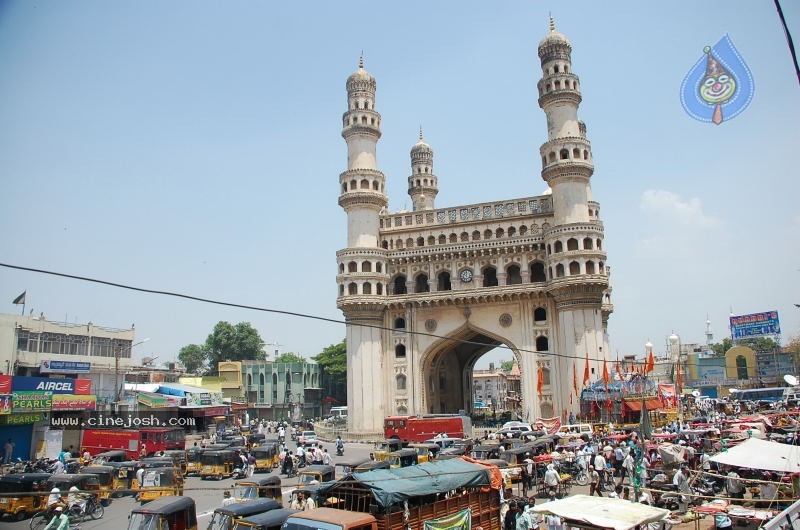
[(47, 384)]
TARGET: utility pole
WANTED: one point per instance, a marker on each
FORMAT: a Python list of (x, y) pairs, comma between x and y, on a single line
[(116, 376)]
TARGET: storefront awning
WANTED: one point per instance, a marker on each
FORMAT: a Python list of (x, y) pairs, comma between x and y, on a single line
[(635, 405)]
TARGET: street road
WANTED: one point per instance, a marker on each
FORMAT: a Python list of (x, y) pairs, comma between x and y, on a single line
[(207, 495)]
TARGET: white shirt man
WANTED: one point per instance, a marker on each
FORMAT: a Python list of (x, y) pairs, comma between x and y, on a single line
[(326, 457), (551, 478), (600, 462)]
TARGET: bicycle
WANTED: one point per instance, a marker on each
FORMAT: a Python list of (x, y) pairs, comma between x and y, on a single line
[(93, 510)]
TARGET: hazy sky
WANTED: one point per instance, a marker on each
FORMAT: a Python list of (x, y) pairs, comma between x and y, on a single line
[(195, 146)]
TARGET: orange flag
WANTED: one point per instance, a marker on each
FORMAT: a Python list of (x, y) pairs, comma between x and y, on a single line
[(679, 379), (618, 367), (586, 370), (605, 373), (651, 363), (574, 378), (540, 382)]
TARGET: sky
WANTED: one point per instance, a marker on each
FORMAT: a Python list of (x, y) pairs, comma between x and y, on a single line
[(195, 147)]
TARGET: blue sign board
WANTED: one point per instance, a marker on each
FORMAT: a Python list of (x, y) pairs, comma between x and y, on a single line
[(43, 384), (755, 325), (64, 367)]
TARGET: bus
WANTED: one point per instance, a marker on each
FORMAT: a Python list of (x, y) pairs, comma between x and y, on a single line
[(759, 394), (129, 440)]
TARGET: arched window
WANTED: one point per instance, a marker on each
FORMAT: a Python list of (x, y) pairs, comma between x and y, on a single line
[(375, 183), (443, 282), (476, 235), (421, 284), (400, 350), (379, 267), (409, 243), (572, 244), (420, 241), (558, 247), (599, 243), (344, 188), (741, 367), (550, 272), (585, 154), (352, 267), (560, 270), (540, 314), (512, 231), (399, 323), (549, 250), (442, 239), (523, 230), (489, 277), (431, 240), (454, 238), (341, 290), (399, 244), (576, 153), (499, 233), (400, 285), (601, 268), (364, 184), (542, 344), (563, 154), (513, 276), (379, 288), (352, 288), (487, 234), (537, 272), (464, 236), (401, 382), (366, 288), (341, 268), (574, 268), (353, 184), (588, 243), (590, 267), (249, 379), (366, 266)]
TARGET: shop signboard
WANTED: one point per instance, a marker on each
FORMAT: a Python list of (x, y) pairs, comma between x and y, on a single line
[(5, 403), (151, 400), (67, 402), (23, 419), (5, 384), (31, 401), (51, 384), (65, 367)]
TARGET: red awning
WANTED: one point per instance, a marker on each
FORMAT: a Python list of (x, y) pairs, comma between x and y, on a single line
[(636, 404)]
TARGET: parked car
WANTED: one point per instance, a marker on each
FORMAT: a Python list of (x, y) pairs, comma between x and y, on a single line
[(307, 437)]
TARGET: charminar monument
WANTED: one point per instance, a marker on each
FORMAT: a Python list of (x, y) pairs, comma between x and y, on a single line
[(425, 293)]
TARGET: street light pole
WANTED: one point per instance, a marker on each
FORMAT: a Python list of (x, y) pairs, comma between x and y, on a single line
[(117, 353)]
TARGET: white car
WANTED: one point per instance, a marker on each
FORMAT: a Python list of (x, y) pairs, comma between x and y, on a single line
[(307, 437)]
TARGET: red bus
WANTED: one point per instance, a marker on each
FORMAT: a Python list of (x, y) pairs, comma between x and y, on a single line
[(415, 429), (155, 439)]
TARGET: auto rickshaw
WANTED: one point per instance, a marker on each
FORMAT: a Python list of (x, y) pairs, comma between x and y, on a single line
[(267, 487), (371, 465), (226, 516), (402, 458), (218, 464), (21, 504), (105, 457), (178, 457), (173, 513), (486, 451), (271, 520), (349, 464), (425, 451), (124, 477), (105, 476), (160, 482), (239, 441), (157, 461), (266, 456), (385, 447), (254, 440), (83, 481), (320, 473)]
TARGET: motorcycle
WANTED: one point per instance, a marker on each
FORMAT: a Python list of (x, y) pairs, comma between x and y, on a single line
[(339, 450), (238, 473)]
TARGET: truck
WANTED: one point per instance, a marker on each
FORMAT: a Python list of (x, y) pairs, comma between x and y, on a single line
[(375, 500), (418, 429), (130, 440)]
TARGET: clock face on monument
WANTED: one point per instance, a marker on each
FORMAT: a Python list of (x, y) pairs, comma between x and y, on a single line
[(466, 275)]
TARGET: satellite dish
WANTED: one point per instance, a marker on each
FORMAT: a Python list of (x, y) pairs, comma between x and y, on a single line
[(790, 380), (147, 361), (696, 393)]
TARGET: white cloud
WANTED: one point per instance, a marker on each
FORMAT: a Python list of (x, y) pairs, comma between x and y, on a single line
[(674, 207)]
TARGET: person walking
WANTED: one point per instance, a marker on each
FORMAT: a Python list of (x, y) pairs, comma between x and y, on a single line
[(734, 485), (9, 451), (600, 467), (594, 482)]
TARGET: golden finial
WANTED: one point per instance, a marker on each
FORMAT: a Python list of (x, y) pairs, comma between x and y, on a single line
[(552, 23), (420, 133), (361, 60)]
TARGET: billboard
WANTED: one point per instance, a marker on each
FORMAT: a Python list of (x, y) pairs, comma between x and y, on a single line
[(755, 325), (32, 401), (48, 384), (65, 367), (66, 402), (5, 403)]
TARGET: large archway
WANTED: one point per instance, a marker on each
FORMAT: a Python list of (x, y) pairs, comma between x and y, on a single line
[(447, 369)]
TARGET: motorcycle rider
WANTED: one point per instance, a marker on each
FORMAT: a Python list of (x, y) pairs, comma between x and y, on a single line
[(60, 521), (339, 446), (76, 499)]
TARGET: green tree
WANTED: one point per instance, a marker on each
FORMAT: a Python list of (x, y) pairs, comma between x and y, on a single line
[(193, 358), (333, 361), (755, 343), (721, 347), (233, 343), (290, 357), (506, 366)]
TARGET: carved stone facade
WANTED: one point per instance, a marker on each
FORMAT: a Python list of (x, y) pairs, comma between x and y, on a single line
[(427, 292)]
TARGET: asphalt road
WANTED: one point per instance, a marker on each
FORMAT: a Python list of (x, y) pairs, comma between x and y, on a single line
[(206, 494)]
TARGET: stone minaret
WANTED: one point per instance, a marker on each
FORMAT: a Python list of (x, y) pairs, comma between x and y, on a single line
[(422, 184), (575, 259), (362, 277)]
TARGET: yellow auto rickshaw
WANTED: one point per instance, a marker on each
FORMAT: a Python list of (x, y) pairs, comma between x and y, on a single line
[(218, 464), (226, 516), (385, 447), (124, 477), (315, 474), (174, 513), (178, 457), (105, 457), (22, 504), (402, 458), (271, 520), (266, 456), (105, 477), (160, 482), (86, 482), (425, 451), (267, 487), (193, 464)]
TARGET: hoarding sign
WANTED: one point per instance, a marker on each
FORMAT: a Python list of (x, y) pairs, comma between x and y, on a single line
[(32, 401), (755, 325), (83, 387), (64, 402), (65, 367), (5, 384), (5, 403), (23, 419), (45, 384)]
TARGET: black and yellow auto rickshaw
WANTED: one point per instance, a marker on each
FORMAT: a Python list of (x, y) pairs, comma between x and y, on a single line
[(159, 482), (371, 465), (157, 461), (105, 457), (178, 457), (254, 440), (124, 477), (261, 488), (218, 464), (85, 482), (22, 484), (173, 513), (402, 458), (385, 447), (105, 477), (236, 440), (348, 464), (425, 451), (319, 473), (226, 516), (271, 520), (266, 456)]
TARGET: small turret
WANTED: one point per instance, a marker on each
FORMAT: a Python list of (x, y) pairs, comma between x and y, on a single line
[(423, 185)]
